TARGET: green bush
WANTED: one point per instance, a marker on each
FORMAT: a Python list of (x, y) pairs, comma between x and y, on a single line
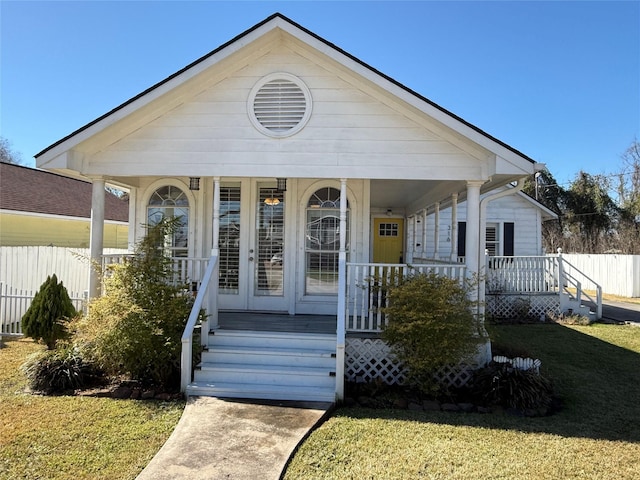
[(431, 324), (50, 310), (59, 370), (502, 384), (135, 328)]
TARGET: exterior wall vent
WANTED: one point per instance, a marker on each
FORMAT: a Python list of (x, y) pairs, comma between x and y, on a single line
[(279, 105)]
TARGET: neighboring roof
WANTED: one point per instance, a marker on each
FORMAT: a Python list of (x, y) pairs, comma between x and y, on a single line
[(26, 189), (308, 32)]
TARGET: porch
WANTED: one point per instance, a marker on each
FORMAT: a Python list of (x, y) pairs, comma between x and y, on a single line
[(276, 355)]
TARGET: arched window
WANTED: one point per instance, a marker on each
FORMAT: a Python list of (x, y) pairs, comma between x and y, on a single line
[(322, 242), (171, 202)]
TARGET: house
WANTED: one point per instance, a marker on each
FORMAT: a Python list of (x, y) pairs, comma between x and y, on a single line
[(43, 208), (297, 170)]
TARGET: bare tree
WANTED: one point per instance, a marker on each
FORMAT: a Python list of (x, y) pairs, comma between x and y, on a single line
[(7, 154)]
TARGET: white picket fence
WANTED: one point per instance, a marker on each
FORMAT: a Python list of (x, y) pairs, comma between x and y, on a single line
[(24, 269), (617, 274), (14, 303)]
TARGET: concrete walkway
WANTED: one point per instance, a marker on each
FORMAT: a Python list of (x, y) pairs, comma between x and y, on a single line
[(621, 312), (233, 439)]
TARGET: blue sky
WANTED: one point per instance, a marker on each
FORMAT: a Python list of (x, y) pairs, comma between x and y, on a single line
[(559, 81)]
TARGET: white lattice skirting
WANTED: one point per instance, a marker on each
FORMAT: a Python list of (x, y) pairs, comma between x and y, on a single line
[(370, 359), (521, 305)]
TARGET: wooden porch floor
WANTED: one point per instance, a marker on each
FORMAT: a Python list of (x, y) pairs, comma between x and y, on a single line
[(275, 322)]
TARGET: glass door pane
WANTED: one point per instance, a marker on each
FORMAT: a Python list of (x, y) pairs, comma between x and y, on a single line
[(269, 249), (229, 240)]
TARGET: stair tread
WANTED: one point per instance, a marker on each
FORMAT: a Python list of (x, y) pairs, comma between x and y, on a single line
[(259, 333), (251, 350), (265, 392), (287, 369)]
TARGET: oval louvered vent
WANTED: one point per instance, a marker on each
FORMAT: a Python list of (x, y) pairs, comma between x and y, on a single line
[(280, 105)]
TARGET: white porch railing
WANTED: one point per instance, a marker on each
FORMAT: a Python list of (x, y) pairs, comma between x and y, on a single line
[(534, 274), (366, 284), (187, 269), (575, 283), (550, 274), (207, 297)]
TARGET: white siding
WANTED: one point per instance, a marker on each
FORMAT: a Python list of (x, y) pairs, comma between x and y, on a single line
[(524, 215), (348, 130)]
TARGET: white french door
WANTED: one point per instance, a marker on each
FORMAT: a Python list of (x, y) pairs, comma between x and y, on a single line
[(252, 247)]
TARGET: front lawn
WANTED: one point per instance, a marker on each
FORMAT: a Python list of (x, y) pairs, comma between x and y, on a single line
[(63, 437), (596, 370)]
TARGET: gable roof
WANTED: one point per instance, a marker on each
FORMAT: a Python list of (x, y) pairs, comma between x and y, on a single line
[(275, 18), (547, 213), (24, 189)]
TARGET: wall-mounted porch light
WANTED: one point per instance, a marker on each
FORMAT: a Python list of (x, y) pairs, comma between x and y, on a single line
[(281, 184), (194, 183)]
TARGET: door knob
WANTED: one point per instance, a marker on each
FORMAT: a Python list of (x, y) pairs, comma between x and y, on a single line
[(251, 259)]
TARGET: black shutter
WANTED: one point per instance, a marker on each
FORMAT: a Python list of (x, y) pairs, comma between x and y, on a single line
[(508, 239), (462, 238)]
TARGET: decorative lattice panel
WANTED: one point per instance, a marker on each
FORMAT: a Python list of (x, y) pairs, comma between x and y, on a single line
[(455, 375), (520, 306), (369, 359)]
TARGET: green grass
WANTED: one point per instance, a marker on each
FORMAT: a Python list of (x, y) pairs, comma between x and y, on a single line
[(63, 437), (596, 370)]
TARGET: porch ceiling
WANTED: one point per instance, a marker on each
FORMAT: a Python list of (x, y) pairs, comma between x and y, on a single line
[(414, 195)]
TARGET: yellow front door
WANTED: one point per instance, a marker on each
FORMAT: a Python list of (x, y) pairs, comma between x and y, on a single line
[(388, 240)]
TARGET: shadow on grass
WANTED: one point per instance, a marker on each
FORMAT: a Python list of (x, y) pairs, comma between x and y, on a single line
[(599, 384)]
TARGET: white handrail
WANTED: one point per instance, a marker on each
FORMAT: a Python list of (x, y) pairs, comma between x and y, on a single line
[(186, 357)]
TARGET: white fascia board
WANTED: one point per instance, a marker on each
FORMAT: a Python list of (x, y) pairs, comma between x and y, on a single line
[(144, 99), (56, 217), (442, 117)]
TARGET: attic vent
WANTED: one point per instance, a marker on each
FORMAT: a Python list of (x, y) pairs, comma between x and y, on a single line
[(279, 105)]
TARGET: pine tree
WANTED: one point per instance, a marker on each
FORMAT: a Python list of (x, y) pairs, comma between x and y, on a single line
[(50, 310)]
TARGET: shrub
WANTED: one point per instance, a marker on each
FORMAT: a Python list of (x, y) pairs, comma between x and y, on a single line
[(50, 310), (135, 328), (502, 384), (431, 324), (59, 370)]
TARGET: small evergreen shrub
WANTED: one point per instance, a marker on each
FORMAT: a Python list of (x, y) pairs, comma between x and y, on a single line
[(502, 384), (135, 328), (50, 311), (431, 324), (60, 370)]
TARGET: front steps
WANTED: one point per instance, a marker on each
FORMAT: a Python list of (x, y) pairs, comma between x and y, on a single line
[(569, 304), (267, 365)]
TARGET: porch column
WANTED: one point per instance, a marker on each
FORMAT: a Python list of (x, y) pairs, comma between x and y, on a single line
[(212, 319), (342, 293), (473, 253), (425, 253), (436, 232), (96, 235), (216, 216), (411, 239), (419, 246), (454, 227)]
